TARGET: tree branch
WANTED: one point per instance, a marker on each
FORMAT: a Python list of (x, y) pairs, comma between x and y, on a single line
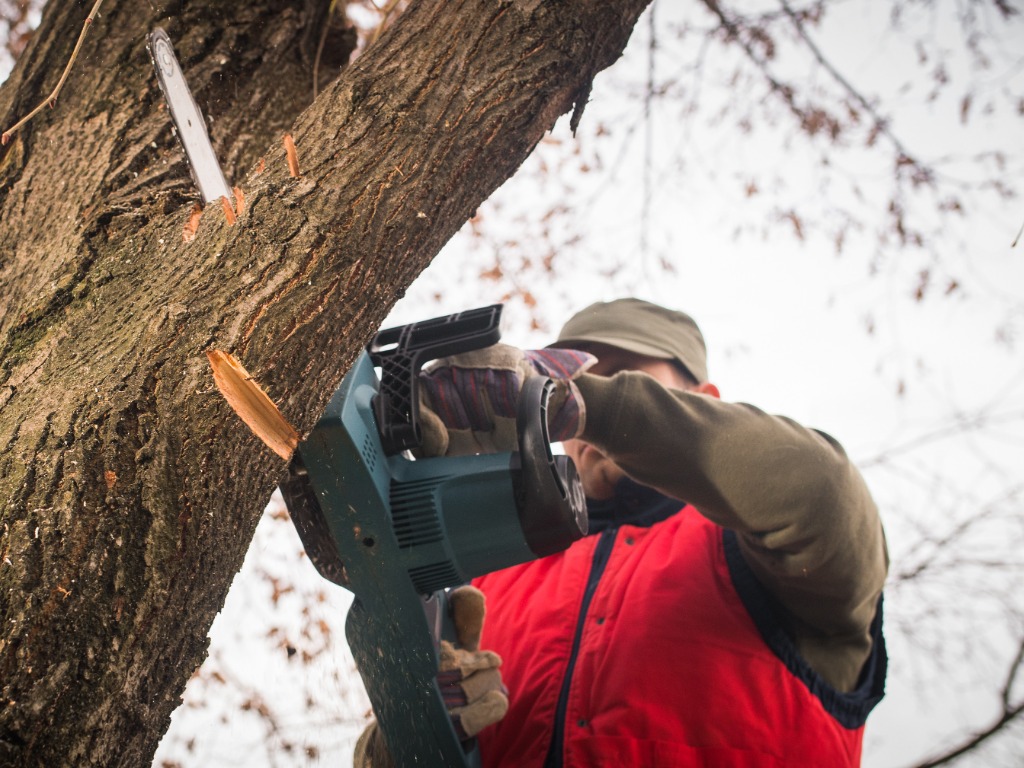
[(1008, 716), (881, 124), (51, 100), (812, 119)]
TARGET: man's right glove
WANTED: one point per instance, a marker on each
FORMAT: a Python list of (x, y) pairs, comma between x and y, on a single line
[(468, 401)]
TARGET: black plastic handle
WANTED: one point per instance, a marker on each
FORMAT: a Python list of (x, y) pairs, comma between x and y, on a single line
[(401, 352)]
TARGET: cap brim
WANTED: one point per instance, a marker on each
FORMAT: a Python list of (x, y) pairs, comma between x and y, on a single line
[(630, 345)]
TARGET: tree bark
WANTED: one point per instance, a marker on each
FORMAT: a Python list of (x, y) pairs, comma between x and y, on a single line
[(128, 489)]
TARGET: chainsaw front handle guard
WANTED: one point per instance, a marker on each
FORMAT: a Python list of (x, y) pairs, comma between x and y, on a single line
[(401, 353)]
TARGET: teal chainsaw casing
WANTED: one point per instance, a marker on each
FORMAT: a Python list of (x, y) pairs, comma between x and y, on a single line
[(398, 531)]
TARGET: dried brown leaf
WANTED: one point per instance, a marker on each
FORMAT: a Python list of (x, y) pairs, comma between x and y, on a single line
[(797, 222)]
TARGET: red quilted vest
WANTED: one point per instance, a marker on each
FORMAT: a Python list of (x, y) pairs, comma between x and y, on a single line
[(666, 665)]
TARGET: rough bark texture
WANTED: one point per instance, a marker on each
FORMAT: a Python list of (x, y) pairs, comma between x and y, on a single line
[(128, 490)]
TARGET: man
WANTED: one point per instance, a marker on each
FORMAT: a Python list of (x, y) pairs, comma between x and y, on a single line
[(725, 608)]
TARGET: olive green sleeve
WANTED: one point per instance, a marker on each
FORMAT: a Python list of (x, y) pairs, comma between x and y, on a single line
[(805, 520)]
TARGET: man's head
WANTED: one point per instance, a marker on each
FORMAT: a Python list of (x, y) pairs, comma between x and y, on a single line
[(633, 335)]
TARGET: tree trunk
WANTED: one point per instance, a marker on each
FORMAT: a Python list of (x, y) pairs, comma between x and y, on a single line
[(129, 490)]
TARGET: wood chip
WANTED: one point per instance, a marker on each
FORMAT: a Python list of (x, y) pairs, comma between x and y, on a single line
[(229, 212), (239, 200), (192, 225), (292, 154), (252, 404)]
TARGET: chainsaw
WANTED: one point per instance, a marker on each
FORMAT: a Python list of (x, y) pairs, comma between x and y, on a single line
[(398, 531)]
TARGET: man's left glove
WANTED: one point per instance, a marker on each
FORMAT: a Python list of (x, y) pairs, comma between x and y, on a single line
[(469, 679), (468, 402)]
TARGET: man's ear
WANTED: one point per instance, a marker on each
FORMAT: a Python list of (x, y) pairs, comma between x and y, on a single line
[(709, 389)]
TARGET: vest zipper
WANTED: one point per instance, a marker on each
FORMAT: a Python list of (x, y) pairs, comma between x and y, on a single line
[(602, 553)]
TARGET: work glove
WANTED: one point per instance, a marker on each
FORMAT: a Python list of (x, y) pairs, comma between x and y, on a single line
[(469, 679), (371, 750), (468, 401)]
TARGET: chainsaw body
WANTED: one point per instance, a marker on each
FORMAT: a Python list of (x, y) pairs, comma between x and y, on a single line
[(397, 531)]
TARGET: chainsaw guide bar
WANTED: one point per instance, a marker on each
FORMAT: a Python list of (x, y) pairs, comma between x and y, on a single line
[(188, 120)]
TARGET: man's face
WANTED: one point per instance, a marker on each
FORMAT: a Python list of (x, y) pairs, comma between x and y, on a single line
[(598, 473)]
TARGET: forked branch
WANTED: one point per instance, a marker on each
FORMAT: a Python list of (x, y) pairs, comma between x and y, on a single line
[(51, 100)]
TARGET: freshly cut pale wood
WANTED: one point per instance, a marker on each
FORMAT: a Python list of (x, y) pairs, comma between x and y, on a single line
[(252, 404)]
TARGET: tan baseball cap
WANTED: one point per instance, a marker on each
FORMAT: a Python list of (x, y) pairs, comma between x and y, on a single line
[(643, 328)]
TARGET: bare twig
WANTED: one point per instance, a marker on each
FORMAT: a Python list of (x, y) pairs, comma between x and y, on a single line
[(1009, 715), (810, 117), (734, 31), (928, 548), (1011, 678), (320, 45), (386, 13), (960, 424), (51, 100), (648, 172), (1017, 238), (879, 121)]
